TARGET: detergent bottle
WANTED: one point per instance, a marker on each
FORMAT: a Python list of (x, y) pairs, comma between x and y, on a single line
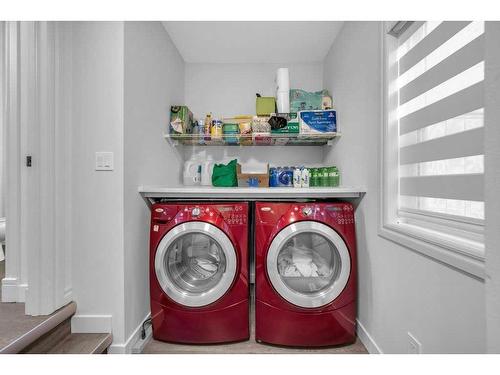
[(192, 171), (207, 167)]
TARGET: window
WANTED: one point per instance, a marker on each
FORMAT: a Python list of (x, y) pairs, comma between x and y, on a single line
[(433, 146)]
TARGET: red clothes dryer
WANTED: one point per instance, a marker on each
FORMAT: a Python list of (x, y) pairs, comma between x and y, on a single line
[(305, 274), (199, 272)]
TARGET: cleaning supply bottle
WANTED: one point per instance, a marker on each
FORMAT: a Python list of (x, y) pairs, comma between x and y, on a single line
[(208, 126)]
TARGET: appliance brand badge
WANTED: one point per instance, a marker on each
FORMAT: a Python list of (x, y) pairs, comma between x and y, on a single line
[(158, 209)]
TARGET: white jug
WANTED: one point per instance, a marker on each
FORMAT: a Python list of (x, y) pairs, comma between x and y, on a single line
[(207, 168), (191, 175)]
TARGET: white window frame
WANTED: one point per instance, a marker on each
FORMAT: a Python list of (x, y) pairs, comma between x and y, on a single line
[(460, 245)]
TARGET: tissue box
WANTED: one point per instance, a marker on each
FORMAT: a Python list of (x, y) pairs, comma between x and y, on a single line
[(265, 105), (318, 122)]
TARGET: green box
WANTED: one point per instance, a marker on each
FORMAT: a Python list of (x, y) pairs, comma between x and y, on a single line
[(292, 126), (265, 105), (181, 120)]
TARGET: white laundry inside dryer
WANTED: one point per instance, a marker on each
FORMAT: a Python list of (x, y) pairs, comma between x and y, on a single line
[(307, 262)]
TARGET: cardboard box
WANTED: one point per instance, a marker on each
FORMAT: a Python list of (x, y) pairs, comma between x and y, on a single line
[(318, 122), (261, 179), (265, 105), (181, 120)]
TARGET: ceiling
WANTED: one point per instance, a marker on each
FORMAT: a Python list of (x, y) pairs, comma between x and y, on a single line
[(253, 41)]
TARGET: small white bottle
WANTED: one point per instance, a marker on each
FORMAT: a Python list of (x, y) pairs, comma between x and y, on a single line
[(304, 178), (296, 177)]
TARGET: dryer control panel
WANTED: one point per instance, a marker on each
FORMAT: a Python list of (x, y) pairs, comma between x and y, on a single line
[(341, 213)]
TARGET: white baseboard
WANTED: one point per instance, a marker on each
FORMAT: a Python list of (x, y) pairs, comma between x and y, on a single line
[(12, 291), (367, 339), (91, 324), (134, 343)]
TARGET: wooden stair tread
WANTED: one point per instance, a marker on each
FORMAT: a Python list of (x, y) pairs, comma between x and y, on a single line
[(21, 331), (83, 343)]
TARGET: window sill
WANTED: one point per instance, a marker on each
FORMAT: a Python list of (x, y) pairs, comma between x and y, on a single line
[(466, 256)]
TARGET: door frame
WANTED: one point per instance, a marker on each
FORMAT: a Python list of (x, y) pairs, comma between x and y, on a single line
[(37, 87)]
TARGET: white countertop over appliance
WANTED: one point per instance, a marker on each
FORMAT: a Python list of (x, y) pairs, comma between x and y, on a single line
[(154, 193)]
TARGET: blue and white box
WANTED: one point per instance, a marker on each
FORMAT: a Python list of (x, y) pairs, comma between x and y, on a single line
[(318, 122)]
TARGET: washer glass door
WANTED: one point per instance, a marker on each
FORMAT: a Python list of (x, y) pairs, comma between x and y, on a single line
[(195, 264), (308, 264)]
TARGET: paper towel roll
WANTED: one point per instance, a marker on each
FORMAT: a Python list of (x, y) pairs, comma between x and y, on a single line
[(282, 80), (283, 90)]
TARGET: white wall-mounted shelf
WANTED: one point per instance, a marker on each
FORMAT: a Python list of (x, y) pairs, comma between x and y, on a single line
[(255, 139), (153, 194)]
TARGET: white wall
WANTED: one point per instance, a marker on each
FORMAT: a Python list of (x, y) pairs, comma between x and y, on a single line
[(492, 182), (2, 125), (98, 238), (154, 80), (229, 89), (400, 291)]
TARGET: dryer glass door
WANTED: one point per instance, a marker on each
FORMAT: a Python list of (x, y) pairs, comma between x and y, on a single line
[(308, 264), (195, 264)]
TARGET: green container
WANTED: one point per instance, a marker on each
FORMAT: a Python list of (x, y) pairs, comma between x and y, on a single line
[(231, 128), (337, 177), (313, 179), (331, 176), (231, 132), (265, 105), (324, 177)]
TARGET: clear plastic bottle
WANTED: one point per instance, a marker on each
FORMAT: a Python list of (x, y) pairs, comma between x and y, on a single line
[(297, 177), (304, 178)]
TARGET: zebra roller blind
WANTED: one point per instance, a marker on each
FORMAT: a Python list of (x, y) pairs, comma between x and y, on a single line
[(440, 114)]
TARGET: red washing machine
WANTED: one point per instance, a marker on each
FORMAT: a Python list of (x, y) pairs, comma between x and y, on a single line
[(199, 272), (305, 274)]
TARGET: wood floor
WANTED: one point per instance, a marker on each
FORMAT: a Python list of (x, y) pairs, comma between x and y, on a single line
[(247, 347)]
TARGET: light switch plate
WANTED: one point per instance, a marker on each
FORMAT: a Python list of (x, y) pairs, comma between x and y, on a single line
[(104, 161)]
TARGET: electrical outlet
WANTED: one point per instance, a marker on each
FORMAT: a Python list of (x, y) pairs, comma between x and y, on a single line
[(414, 346), (104, 161)]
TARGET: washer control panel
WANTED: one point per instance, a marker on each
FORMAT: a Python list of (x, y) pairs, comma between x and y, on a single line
[(233, 214)]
